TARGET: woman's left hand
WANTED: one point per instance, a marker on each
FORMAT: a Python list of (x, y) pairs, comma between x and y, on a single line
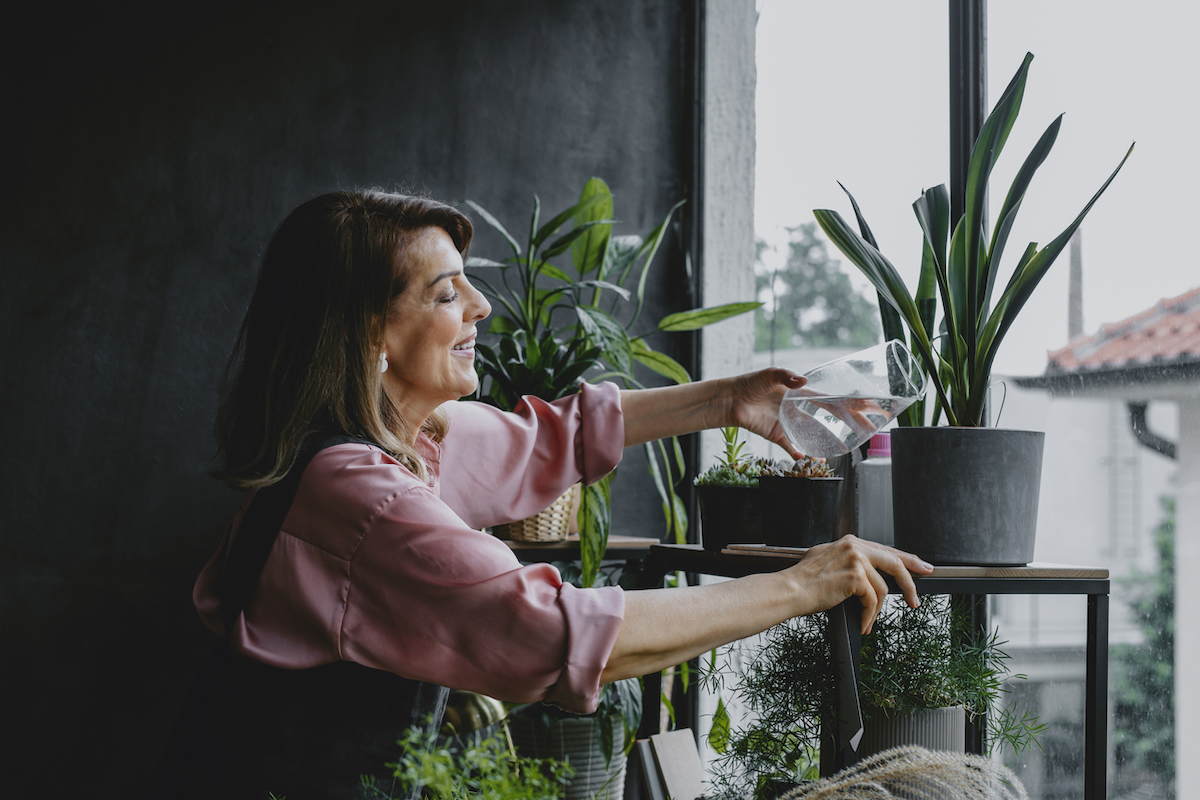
[(754, 403)]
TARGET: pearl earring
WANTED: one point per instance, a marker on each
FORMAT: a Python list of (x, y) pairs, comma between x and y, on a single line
[(383, 365)]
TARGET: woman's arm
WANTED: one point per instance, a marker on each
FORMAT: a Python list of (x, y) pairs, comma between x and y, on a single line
[(665, 627), (749, 401)]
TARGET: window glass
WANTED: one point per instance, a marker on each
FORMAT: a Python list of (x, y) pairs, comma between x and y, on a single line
[(858, 93)]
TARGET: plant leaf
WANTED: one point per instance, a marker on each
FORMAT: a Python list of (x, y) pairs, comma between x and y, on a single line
[(650, 248), (551, 227), (884, 277), (700, 317), (495, 223), (588, 252), (595, 517), (560, 245), (987, 148), (1024, 281), (661, 363), (718, 734), (1012, 202)]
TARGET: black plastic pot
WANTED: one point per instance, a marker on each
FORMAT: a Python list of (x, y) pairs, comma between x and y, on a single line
[(729, 515), (966, 495), (798, 512)]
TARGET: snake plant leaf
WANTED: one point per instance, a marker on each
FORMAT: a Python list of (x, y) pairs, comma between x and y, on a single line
[(1012, 202), (584, 205), (933, 215), (893, 328), (700, 317), (661, 363), (1030, 273), (988, 145), (880, 272), (588, 252), (495, 223)]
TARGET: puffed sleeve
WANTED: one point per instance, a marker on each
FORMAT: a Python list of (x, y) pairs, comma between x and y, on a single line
[(431, 599), (498, 466)]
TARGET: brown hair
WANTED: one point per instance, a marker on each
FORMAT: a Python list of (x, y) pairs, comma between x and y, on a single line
[(307, 355)]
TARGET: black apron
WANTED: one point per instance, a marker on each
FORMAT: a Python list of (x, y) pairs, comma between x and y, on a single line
[(248, 729)]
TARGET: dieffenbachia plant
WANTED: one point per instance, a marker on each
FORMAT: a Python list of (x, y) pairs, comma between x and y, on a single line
[(555, 328)]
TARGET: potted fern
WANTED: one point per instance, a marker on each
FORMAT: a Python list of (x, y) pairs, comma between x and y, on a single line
[(920, 679), (963, 494)]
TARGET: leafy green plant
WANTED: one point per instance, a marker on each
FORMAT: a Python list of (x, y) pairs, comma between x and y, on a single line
[(913, 659), (489, 770), (554, 327), (959, 267)]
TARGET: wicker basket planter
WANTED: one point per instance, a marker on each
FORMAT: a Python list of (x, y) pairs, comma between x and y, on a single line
[(550, 525)]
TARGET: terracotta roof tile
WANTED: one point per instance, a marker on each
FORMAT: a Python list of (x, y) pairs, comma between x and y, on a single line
[(1167, 332)]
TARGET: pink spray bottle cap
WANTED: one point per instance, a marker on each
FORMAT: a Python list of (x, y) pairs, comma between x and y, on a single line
[(880, 446)]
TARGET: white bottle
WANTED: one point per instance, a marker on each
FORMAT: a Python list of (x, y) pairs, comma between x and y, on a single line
[(873, 492)]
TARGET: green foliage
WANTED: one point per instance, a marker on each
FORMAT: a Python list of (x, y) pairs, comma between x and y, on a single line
[(554, 327), (1143, 677), (962, 263), (485, 771), (734, 469), (812, 303), (913, 659)]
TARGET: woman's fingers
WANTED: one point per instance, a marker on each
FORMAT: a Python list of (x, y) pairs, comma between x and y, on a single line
[(853, 567)]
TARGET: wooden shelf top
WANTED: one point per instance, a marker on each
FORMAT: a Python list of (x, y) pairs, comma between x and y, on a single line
[(1036, 569)]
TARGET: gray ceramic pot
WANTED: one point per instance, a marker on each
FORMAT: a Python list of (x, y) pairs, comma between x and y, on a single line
[(966, 495)]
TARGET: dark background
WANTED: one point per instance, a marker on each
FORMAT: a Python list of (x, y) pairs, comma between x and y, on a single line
[(148, 152)]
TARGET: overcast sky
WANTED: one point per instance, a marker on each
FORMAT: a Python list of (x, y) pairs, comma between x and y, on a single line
[(857, 91)]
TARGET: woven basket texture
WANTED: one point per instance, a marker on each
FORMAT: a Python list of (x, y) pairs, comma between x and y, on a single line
[(550, 525)]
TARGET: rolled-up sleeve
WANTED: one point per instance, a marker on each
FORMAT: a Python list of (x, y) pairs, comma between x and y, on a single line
[(498, 466), (430, 599)]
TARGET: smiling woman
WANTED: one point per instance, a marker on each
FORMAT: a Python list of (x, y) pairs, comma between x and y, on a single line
[(354, 585), (430, 337)]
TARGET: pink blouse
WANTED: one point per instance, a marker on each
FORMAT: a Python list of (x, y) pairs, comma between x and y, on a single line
[(374, 566)]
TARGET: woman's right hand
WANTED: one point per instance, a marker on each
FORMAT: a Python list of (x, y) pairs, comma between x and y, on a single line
[(850, 567)]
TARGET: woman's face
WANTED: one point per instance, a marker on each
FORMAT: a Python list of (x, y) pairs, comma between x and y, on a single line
[(430, 336)]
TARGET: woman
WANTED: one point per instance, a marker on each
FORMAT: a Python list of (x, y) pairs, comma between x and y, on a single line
[(363, 323)]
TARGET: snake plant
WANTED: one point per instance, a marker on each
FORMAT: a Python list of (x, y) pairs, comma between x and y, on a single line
[(959, 267)]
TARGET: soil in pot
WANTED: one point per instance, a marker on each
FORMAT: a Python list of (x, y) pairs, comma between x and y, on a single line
[(729, 515), (798, 512), (966, 495)]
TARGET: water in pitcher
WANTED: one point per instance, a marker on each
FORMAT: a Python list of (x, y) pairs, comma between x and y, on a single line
[(824, 426)]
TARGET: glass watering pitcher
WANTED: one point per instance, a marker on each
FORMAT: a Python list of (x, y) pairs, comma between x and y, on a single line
[(848, 399)]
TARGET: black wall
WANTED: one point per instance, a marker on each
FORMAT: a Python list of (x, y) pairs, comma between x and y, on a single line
[(147, 155)]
